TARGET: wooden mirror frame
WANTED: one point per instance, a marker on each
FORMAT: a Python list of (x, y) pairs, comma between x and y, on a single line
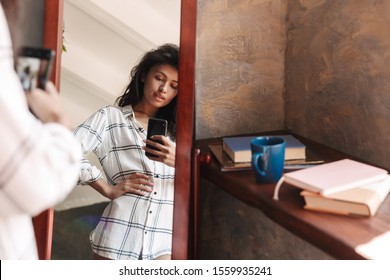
[(43, 223), (185, 131)]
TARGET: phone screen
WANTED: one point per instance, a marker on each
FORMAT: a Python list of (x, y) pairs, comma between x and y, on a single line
[(156, 127), (34, 67)]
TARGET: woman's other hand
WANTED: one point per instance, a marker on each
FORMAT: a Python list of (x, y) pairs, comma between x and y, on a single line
[(136, 183)]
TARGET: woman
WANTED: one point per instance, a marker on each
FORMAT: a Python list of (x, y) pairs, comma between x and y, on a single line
[(137, 223), (39, 159)]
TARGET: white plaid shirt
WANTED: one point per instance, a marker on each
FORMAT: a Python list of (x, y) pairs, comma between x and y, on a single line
[(39, 162), (131, 224)]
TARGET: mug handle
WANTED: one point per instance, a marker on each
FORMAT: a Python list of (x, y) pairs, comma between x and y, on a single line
[(255, 160)]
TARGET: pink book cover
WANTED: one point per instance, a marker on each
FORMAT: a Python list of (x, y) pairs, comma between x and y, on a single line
[(333, 177)]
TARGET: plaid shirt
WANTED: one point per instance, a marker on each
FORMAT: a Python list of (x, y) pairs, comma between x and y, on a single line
[(132, 226), (39, 163)]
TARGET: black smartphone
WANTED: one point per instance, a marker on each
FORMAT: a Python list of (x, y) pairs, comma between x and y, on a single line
[(34, 67), (156, 127)]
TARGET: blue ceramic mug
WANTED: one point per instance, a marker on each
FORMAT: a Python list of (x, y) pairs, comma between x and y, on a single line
[(268, 158)]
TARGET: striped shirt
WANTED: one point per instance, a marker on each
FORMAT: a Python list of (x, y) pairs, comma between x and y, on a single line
[(132, 226)]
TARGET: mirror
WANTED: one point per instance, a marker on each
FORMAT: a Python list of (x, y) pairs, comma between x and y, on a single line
[(85, 92)]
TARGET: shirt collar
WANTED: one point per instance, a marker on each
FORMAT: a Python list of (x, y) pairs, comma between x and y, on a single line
[(127, 111)]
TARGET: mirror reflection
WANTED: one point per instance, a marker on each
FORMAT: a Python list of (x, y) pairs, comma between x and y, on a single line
[(102, 44)]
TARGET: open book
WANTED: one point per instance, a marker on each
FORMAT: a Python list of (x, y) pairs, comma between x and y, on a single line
[(333, 177), (364, 200)]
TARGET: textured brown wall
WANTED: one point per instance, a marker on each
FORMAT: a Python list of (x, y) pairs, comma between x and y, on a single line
[(336, 90), (240, 89), (233, 230), (338, 75), (240, 66)]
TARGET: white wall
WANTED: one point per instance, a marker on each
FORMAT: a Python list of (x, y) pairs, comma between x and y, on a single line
[(104, 40)]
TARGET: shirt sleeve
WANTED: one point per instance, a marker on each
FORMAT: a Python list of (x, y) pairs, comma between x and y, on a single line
[(91, 134)]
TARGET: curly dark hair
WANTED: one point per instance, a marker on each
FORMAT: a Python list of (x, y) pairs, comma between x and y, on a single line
[(167, 54)]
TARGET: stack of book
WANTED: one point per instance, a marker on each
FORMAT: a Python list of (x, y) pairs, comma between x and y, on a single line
[(343, 187), (235, 153), (239, 148)]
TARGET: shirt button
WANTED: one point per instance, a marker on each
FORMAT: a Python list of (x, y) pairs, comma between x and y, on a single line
[(150, 212), (146, 232), (155, 192)]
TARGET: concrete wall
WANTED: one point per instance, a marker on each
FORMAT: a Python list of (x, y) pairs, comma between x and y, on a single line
[(233, 230), (338, 75), (240, 66), (320, 68)]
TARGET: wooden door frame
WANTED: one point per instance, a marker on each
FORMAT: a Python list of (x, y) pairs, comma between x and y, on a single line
[(43, 223), (185, 131)]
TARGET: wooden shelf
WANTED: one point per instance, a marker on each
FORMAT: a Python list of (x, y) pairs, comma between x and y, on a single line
[(336, 235)]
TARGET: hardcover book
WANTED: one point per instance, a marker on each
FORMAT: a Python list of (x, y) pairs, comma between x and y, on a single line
[(333, 177), (364, 201), (239, 148), (227, 164)]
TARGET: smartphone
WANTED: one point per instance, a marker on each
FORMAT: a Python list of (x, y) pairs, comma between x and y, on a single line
[(34, 67), (156, 127)]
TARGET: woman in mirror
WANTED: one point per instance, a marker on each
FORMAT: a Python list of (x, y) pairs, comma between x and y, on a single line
[(137, 223)]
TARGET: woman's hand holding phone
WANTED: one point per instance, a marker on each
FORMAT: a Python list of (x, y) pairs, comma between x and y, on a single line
[(47, 106), (164, 152), (34, 67), (158, 146)]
